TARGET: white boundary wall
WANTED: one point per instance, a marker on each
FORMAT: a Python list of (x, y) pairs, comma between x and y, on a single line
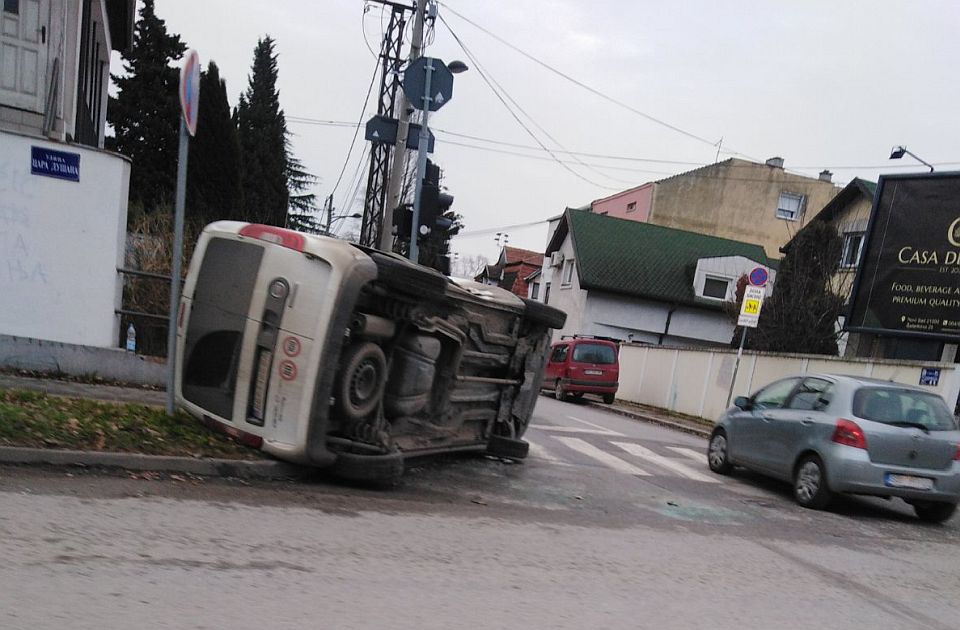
[(696, 381), (60, 245)]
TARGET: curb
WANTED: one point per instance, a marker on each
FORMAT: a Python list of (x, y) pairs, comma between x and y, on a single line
[(205, 467), (670, 424)]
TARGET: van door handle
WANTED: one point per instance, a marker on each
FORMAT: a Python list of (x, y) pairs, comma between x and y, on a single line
[(807, 422)]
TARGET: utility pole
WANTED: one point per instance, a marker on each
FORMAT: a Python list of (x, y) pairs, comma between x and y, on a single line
[(328, 206), (375, 206), (395, 184)]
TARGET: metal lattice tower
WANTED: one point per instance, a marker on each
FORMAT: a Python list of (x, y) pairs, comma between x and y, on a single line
[(375, 200)]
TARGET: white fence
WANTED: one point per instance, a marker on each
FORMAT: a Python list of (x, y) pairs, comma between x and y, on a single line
[(696, 381)]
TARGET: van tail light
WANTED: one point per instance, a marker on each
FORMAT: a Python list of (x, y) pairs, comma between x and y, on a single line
[(956, 456), (848, 433), (275, 235), (241, 437)]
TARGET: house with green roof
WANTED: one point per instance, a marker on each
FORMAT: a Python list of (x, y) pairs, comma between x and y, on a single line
[(646, 283)]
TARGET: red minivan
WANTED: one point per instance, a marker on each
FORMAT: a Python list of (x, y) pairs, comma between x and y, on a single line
[(583, 365)]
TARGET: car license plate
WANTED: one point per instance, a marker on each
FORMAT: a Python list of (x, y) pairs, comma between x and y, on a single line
[(593, 372), (908, 481), (263, 375)]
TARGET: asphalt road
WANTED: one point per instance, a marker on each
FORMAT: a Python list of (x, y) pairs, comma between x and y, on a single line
[(610, 524)]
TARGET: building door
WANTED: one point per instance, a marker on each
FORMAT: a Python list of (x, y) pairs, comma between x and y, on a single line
[(24, 30)]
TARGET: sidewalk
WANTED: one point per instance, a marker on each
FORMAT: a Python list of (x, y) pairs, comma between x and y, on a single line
[(92, 391), (264, 469), (685, 424)]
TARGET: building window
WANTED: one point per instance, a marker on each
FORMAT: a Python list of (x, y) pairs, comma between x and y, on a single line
[(11, 6), (567, 277), (790, 206), (852, 248), (535, 291), (546, 293), (632, 206), (715, 288)]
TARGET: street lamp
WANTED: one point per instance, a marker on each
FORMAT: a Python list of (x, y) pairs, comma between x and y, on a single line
[(898, 152), (331, 218), (456, 66)]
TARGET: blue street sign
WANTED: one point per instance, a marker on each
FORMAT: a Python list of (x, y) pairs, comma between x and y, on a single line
[(930, 376), (52, 163)]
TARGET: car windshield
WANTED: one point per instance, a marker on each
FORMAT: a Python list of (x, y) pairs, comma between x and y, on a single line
[(594, 353), (903, 407)]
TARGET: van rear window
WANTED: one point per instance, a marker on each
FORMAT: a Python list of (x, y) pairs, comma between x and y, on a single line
[(221, 300), (594, 353)]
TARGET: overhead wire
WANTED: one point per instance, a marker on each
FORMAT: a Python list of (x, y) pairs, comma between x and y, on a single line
[(604, 156), (363, 114), (581, 84), (490, 84)]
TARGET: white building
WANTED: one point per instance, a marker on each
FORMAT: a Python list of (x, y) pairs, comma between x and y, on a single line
[(645, 283), (63, 199)]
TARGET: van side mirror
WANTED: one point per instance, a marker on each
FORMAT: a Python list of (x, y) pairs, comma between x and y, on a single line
[(742, 402)]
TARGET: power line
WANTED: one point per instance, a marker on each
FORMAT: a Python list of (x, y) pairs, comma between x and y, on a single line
[(363, 113), (501, 228), (581, 84), (625, 158), (496, 93)]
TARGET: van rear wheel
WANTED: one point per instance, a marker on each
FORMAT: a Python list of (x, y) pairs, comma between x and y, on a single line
[(559, 392), (407, 277), (385, 469), (363, 376)]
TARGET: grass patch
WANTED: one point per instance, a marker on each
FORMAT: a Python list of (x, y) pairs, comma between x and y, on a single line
[(38, 420)]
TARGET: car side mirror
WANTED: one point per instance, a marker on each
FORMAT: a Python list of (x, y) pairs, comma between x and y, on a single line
[(742, 402)]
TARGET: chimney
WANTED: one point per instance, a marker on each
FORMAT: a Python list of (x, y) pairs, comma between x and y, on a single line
[(775, 162), (826, 176)]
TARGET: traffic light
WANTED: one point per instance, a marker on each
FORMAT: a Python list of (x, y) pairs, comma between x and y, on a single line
[(433, 203)]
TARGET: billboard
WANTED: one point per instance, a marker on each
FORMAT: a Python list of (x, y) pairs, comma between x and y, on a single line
[(908, 281)]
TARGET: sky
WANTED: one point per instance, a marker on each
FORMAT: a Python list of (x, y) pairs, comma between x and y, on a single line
[(823, 84)]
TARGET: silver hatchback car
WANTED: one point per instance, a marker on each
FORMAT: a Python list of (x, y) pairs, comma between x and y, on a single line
[(839, 434)]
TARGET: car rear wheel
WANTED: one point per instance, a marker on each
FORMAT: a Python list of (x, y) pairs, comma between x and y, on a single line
[(717, 457), (810, 484), (934, 512), (559, 392), (609, 398)]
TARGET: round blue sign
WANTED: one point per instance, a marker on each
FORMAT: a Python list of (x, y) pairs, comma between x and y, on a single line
[(758, 277)]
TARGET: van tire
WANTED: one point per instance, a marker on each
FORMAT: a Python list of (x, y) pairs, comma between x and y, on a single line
[(510, 448), (362, 379), (540, 313), (403, 275), (385, 469)]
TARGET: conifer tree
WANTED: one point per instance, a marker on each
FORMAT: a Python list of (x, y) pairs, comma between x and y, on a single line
[(145, 115), (274, 183), (213, 179), (263, 141)]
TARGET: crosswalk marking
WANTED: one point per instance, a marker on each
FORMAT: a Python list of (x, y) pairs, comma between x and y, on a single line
[(538, 452), (696, 456), (561, 429), (665, 462), (597, 426), (591, 451)]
